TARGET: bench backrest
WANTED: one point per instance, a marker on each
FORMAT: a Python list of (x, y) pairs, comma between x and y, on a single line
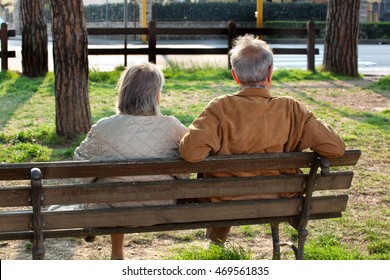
[(21, 224)]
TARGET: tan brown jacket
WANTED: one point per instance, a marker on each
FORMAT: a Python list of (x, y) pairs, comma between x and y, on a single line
[(252, 121)]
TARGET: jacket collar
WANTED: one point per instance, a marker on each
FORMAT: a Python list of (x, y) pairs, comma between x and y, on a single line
[(261, 92)]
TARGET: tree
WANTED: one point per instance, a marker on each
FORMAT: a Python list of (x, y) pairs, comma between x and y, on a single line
[(340, 45), (70, 53), (34, 38)]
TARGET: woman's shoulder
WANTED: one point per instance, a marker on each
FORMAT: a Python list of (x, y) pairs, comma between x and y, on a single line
[(124, 120), (117, 118), (173, 122)]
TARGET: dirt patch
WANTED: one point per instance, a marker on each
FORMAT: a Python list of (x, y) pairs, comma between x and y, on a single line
[(351, 93), (155, 247)]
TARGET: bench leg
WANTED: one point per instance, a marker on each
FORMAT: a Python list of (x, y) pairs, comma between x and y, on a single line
[(275, 241), (277, 244), (302, 234), (38, 248)]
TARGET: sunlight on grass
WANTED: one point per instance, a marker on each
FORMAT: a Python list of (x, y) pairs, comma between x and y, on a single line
[(196, 72), (191, 252), (328, 247), (383, 85), (293, 75)]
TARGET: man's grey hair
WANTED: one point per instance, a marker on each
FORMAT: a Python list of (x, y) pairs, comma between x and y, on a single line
[(138, 89), (251, 59)]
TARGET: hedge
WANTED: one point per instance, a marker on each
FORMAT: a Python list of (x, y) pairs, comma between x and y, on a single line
[(278, 15), (367, 30), (212, 11), (96, 13), (375, 30)]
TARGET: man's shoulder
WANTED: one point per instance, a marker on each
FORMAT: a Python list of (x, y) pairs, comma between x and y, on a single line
[(285, 98), (288, 101)]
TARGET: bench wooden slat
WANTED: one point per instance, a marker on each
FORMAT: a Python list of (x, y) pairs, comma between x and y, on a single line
[(82, 169), (184, 189), (174, 214), (192, 213), (15, 196), (24, 235), (175, 189), (16, 221)]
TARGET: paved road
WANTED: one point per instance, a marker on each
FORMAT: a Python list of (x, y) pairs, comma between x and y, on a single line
[(372, 59)]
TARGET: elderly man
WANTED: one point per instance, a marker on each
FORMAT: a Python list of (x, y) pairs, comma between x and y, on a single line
[(252, 121)]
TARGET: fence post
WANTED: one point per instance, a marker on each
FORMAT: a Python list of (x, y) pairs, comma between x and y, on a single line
[(152, 41), (310, 46), (232, 28), (4, 47)]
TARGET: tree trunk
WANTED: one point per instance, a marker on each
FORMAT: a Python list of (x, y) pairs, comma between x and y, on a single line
[(70, 53), (340, 46), (34, 38)]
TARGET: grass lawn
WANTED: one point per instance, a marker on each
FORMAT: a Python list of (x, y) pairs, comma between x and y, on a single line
[(356, 108)]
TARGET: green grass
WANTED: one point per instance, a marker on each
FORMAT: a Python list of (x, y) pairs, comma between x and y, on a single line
[(27, 133), (383, 85), (288, 75), (329, 247), (230, 252)]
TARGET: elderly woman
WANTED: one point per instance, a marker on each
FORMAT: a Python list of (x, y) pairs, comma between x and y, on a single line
[(137, 131)]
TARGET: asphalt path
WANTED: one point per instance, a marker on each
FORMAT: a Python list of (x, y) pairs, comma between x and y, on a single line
[(372, 59)]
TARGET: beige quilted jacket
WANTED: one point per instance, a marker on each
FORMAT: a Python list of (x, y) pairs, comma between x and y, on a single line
[(126, 137)]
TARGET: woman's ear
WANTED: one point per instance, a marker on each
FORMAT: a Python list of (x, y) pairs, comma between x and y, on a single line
[(235, 77)]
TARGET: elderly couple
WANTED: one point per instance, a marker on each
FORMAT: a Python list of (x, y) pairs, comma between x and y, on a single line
[(246, 122)]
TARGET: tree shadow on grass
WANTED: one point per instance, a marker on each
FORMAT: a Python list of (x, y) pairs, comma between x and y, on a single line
[(16, 94)]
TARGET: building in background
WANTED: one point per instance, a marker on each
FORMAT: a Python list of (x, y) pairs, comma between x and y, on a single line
[(384, 10)]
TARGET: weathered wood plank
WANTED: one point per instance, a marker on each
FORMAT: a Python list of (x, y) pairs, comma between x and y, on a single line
[(16, 221), (231, 210), (23, 235), (15, 196), (184, 189), (118, 192), (82, 169), (175, 189)]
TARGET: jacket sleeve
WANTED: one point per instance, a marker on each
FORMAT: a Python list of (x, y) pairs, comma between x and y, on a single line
[(202, 139), (321, 138)]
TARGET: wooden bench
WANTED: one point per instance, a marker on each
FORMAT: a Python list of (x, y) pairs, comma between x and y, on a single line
[(22, 214)]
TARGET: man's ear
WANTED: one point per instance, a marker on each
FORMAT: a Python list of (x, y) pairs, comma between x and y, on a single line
[(235, 77), (270, 73), (158, 97)]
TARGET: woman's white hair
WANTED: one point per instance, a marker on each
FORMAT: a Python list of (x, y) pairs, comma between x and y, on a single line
[(138, 88)]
